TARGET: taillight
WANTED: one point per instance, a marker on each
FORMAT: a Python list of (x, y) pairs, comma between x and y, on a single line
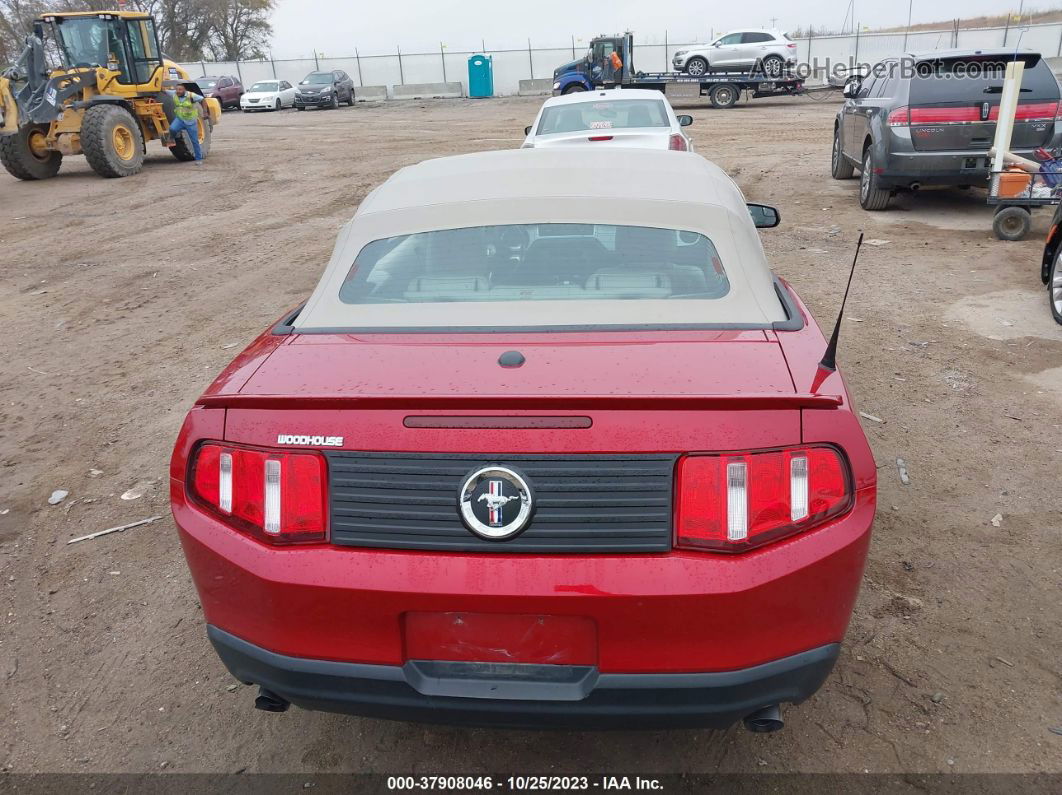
[(677, 143), (1029, 111), (600, 138), (278, 497), (900, 117), (738, 501)]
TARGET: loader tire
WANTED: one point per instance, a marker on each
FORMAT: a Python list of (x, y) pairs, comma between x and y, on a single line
[(182, 146), (23, 157), (112, 141)]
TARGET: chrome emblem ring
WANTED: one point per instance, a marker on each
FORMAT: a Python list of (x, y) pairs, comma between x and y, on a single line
[(495, 502)]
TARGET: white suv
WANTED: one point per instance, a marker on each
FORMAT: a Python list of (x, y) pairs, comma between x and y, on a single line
[(740, 50)]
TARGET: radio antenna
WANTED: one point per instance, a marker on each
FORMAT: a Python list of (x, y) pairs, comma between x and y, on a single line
[(829, 359)]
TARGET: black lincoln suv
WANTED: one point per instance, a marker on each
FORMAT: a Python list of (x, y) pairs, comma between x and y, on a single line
[(930, 120)]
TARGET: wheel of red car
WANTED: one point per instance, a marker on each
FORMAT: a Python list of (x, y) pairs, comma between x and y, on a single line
[(696, 67)]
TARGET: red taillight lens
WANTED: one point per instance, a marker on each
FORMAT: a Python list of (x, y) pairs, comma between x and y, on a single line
[(677, 143), (738, 501), (600, 138), (968, 114), (278, 497), (1031, 111), (900, 117)]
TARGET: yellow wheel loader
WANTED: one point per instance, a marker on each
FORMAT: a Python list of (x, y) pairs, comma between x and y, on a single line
[(105, 96)]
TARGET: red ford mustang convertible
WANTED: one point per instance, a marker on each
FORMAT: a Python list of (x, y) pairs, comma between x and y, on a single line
[(548, 445)]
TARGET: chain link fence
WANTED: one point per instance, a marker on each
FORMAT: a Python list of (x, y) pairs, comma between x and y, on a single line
[(513, 65)]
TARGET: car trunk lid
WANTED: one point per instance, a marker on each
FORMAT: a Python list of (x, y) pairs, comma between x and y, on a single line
[(466, 368)]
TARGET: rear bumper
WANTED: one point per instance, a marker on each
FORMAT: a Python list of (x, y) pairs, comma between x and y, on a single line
[(661, 613), (536, 696), (941, 168)]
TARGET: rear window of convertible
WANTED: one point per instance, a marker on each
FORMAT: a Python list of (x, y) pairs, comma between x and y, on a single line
[(539, 262)]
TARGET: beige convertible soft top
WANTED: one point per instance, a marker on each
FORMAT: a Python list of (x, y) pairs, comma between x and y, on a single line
[(634, 187)]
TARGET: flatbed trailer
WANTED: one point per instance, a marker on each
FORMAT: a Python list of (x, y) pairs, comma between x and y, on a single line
[(724, 89)]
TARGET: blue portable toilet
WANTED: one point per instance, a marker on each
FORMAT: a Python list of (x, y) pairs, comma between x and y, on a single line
[(481, 76)]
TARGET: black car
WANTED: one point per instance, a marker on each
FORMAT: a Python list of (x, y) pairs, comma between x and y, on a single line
[(1051, 266), (324, 90), (931, 119)]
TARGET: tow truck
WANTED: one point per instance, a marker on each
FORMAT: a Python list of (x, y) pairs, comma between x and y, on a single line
[(724, 89)]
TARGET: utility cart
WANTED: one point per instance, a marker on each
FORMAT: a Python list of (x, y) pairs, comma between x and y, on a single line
[(1014, 194)]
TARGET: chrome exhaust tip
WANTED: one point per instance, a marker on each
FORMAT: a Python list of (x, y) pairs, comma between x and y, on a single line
[(268, 701), (768, 719)]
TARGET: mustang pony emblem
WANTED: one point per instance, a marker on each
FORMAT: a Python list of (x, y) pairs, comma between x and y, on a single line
[(482, 502), (495, 501)]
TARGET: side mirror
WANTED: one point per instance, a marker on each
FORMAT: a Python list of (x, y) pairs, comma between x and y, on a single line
[(851, 89), (764, 216), (527, 129), (685, 121), (717, 44)]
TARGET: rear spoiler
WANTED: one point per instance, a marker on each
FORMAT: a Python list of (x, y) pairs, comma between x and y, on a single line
[(518, 402), (1030, 59)]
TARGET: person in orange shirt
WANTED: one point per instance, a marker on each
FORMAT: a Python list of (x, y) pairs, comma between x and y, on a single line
[(617, 67)]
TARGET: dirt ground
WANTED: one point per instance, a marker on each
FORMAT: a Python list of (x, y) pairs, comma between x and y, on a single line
[(122, 299)]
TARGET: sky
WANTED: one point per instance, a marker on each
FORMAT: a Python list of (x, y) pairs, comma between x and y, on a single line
[(336, 27)]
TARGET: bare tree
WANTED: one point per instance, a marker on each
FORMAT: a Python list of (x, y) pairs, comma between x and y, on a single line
[(188, 29), (240, 29), (16, 22), (184, 26)]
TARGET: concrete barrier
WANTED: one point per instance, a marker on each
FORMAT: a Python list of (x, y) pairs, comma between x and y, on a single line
[(370, 93), (428, 91), (533, 88)]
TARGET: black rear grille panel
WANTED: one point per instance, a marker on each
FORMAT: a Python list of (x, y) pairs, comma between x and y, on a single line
[(585, 504)]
